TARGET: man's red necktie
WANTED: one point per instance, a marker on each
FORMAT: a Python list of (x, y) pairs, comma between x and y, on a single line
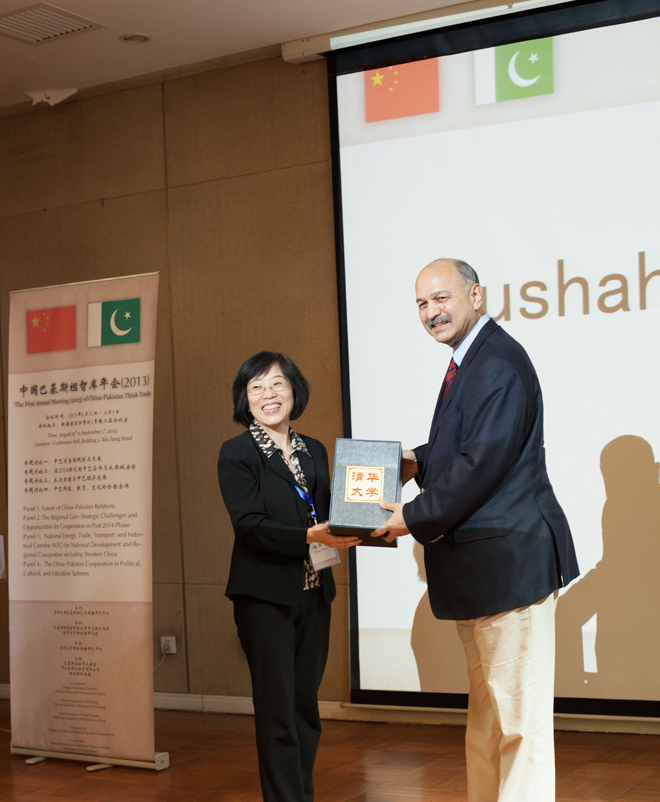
[(449, 378)]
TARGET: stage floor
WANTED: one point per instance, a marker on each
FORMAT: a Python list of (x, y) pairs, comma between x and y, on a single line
[(213, 759)]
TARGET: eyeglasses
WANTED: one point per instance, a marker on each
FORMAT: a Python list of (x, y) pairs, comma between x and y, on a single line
[(277, 387)]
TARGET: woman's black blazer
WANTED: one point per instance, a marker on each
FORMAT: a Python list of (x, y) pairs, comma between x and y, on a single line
[(270, 518)]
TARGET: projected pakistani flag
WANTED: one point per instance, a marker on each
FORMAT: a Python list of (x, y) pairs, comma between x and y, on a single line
[(510, 72), (113, 322)]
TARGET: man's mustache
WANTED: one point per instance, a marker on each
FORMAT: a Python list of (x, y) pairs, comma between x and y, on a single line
[(437, 320)]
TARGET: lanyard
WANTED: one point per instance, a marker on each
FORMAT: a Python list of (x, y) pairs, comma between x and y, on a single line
[(308, 500)]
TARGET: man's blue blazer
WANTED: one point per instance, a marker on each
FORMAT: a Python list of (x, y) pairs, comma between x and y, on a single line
[(494, 535)]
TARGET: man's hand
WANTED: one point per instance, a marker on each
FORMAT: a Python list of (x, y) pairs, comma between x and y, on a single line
[(410, 466), (395, 526)]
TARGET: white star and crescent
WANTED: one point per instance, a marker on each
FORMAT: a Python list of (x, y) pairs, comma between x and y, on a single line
[(517, 79), (116, 330)]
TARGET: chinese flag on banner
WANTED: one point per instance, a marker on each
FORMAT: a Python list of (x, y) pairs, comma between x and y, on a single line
[(404, 90), (51, 329)]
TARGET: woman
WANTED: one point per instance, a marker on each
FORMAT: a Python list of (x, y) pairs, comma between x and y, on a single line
[(276, 487)]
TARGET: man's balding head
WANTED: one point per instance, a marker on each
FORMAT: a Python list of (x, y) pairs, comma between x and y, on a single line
[(466, 271), (449, 300)]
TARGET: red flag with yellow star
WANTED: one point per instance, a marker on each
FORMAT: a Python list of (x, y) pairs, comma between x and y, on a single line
[(404, 90), (51, 329)]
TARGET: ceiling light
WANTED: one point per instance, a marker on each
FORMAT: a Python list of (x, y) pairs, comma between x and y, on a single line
[(134, 38)]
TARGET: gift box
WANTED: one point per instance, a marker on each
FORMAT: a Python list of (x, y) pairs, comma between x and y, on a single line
[(365, 473)]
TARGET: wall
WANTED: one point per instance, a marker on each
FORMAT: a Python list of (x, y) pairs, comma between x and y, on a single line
[(221, 181)]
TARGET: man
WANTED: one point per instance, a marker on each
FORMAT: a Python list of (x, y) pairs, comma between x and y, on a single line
[(497, 544)]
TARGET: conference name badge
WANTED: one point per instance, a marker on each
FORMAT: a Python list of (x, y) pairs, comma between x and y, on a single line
[(323, 556)]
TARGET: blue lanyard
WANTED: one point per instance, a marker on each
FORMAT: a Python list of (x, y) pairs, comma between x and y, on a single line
[(308, 500)]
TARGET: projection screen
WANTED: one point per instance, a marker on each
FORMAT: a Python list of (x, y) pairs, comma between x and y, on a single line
[(536, 159)]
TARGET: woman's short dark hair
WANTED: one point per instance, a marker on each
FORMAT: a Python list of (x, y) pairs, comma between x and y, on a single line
[(259, 365)]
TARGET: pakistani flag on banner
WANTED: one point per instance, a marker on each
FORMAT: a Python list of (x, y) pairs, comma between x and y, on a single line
[(510, 72), (113, 322)]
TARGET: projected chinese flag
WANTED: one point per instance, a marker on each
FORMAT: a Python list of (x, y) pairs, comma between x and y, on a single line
[(51, 329), (404, 90)]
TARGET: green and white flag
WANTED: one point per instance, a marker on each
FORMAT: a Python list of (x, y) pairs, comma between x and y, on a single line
[(510, 72), (113, 322)]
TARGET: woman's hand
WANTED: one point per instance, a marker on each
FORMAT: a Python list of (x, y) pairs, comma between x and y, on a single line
[(410, 466), (321, 534)]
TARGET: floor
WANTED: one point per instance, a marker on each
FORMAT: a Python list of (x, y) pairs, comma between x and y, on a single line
[(213, 758)]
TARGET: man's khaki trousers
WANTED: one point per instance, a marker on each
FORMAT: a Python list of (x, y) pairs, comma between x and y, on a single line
[(510, 736)]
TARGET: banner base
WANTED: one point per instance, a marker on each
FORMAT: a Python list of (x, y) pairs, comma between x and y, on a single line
[(161, 759)]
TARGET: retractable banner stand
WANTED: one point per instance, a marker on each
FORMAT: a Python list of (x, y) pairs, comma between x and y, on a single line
[(80, 401)]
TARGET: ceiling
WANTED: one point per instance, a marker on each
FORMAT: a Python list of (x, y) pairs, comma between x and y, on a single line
[(182, 32)]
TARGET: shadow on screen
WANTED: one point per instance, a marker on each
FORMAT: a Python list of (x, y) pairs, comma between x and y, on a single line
[(608, 624), (437, 648)]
